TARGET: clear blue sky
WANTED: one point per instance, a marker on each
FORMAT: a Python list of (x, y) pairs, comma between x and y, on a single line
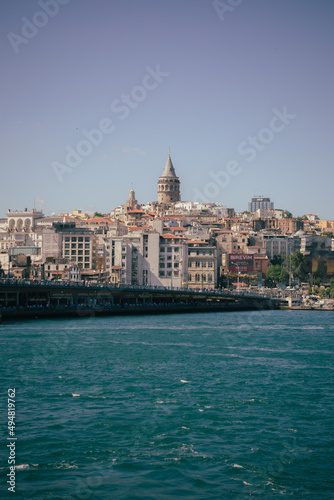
[(223, 76)]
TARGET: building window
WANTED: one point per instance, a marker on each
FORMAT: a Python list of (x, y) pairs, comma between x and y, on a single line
[(197, 277), (210, 278)]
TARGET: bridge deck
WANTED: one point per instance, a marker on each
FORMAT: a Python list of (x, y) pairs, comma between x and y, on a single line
[(22, 299)]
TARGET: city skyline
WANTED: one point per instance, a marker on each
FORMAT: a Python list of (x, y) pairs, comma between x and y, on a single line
[(93, 98)]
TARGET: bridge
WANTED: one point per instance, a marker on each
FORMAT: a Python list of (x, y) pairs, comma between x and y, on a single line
[(23, 299)]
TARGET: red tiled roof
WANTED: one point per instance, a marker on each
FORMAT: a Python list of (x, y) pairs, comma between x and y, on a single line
[(171, 236), (197, 241)]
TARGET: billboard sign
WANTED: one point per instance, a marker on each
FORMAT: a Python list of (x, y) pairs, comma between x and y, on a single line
[(240, 262)]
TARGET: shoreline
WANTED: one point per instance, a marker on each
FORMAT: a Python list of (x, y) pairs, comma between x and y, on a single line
[(67, 313)]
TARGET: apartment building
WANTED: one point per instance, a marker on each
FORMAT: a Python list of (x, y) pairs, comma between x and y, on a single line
[(144, 257), (202, 265)]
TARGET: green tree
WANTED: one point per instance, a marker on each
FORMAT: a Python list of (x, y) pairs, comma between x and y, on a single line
[(284, 276), (287, 214), (98, 214), (321, 271), (277, 274), (277, 260), (299, 265), (274, 273)]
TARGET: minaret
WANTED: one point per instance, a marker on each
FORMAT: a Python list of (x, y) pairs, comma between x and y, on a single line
[(168, 184), (131, 204)]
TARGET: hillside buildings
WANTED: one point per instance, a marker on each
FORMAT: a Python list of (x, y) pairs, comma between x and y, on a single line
[(164, 243)]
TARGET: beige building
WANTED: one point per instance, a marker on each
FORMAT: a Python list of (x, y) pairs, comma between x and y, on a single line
[(325, 225), (202, 265), (23, 220), (232, 242)]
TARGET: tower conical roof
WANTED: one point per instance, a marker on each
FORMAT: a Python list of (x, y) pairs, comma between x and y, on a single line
[(169, 170)]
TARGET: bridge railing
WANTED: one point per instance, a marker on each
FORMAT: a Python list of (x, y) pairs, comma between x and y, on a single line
[(265, 294)]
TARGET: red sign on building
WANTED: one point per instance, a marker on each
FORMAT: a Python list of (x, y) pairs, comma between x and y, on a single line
[(240, 262)]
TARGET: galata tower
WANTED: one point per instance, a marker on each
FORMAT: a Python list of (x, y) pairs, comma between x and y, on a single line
[(168, 184)]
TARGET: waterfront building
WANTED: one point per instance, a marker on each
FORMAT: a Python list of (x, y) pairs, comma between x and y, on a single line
[(147, 256), (202, 265), (78, 245)]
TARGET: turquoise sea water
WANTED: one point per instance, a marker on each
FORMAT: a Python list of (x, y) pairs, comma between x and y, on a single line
[(203, 406)]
